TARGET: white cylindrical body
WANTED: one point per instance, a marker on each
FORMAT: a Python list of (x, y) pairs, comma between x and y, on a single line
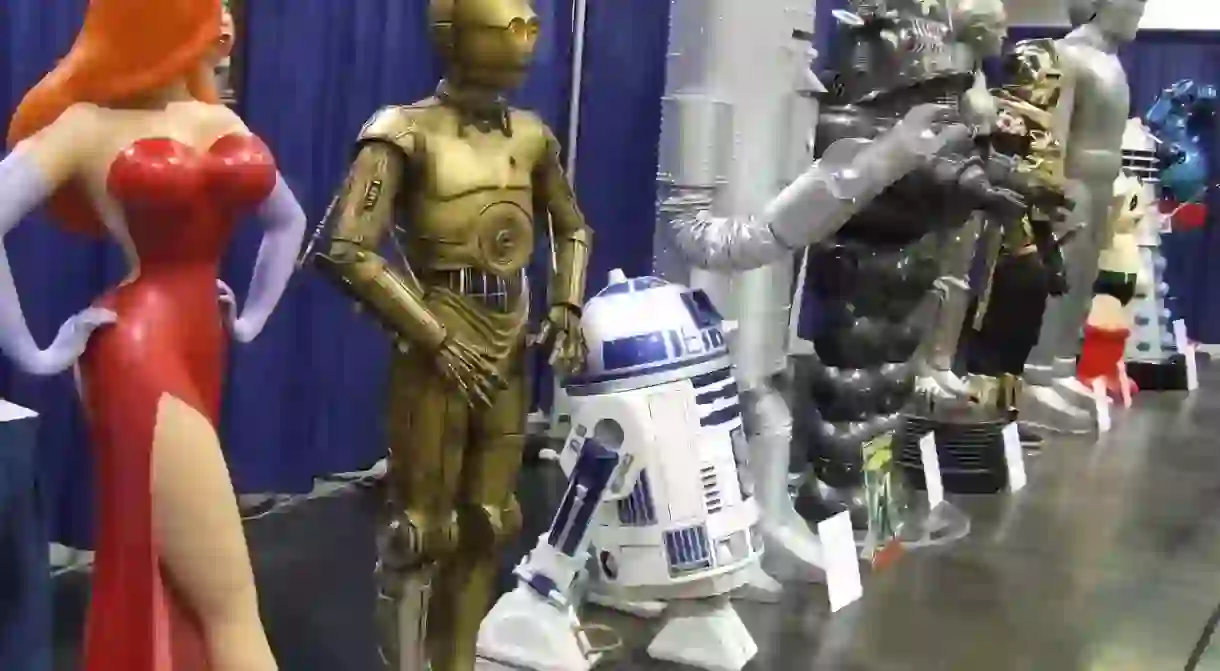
[(687, 525), (680, 516)]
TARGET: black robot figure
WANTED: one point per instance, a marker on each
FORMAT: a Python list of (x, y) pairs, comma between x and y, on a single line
[(872, 278)]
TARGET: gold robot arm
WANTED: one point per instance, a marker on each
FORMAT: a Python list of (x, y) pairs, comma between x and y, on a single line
[(364, 212), (571, 237)]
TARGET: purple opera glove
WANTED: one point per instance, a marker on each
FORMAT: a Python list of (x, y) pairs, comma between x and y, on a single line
[(284, 223), (24, 187)]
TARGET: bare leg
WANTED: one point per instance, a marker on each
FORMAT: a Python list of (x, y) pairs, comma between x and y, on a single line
[(198, 527)]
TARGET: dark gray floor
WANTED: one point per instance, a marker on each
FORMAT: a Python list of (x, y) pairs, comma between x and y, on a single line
[(1109, 561)]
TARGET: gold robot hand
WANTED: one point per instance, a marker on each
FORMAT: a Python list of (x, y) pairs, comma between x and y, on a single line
[(561, 333), (471, 370)]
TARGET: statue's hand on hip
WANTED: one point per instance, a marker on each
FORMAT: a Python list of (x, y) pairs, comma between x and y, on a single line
[(562, 335)]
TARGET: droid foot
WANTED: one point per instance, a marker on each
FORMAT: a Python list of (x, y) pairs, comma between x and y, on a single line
[(1045, 408), (706, 634), (759, 587), (645, 610), (525, 632)]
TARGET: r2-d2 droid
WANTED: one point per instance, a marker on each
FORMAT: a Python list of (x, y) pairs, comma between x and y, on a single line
[(657, 504)]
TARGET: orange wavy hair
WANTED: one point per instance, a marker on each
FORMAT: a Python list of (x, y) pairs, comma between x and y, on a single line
[(125, 48)]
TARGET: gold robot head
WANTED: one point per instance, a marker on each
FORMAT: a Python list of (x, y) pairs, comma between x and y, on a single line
[(485, 43), (1035, 75)]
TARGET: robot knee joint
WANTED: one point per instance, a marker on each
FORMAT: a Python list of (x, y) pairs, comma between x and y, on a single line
[(413, 539), (485, 528)]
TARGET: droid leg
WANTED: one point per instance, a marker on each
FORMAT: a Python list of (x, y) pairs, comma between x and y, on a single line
[(488, 516), (763, 299), (535, 626), (793, 550), (426, 431), (936, 365)]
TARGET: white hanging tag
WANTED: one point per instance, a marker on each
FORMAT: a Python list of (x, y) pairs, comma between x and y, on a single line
[(1188, 351), (843, 583), (1125, 382), (931, 470), (1014, 456), (1101, 405)]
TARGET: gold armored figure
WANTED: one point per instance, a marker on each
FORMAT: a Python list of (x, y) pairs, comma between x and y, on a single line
[(1026, 130), (1027, 113), (457, 181)]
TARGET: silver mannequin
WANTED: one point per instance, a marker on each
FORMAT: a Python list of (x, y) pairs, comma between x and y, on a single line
[(979, 27), (1095, 111), (738, 117)]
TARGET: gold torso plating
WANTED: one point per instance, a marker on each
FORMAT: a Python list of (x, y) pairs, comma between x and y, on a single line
[(1033, 101), (471, 204)]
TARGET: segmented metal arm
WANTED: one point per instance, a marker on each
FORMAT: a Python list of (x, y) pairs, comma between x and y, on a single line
[(365, 212), (571, 236), (850, 173)]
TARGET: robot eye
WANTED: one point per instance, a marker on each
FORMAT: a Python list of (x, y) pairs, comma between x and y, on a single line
[(522, 29), (1135, 201)]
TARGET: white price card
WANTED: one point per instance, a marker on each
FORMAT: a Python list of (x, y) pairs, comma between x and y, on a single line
[(843, 582), (1014, 456), (931, 470), (1188, 350), (1101, 405), (1124, 382)]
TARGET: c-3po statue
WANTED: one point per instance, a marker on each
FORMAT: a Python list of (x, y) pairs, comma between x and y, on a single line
[(456, 179)]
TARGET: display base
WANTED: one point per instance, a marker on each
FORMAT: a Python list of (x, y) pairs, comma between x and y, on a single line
[(942, 525), (971, 452), (1166, 375)]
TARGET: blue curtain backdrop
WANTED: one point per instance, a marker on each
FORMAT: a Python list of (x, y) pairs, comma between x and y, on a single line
[(626, 42), (1155, 60), (305, 398)]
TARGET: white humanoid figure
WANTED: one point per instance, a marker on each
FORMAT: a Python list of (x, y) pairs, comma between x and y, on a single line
[(1094, 106), (658, 502), (979, 27)]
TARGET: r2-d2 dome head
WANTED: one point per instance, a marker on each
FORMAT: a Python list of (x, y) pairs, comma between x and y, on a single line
[(645, 331)]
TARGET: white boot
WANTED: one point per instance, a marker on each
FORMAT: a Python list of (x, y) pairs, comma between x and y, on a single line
[(1045, 407)]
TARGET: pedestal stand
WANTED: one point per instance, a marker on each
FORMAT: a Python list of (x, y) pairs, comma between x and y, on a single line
[(971, 451)]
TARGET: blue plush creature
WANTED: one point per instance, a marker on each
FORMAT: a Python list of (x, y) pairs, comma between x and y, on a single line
[(1177, 120)]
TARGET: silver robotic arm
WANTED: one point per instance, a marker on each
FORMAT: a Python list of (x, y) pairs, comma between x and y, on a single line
[(817, 203)]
